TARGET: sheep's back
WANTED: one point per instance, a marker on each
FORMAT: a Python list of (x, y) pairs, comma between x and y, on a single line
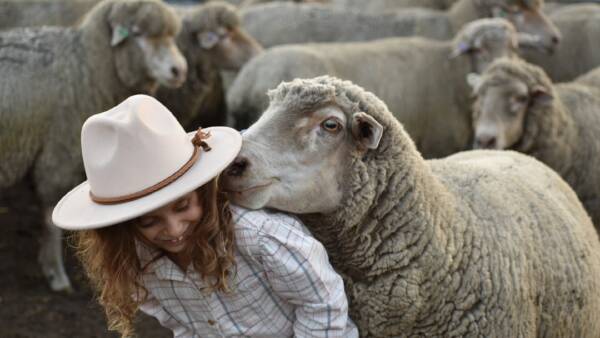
[(286, 23), (530, 239)]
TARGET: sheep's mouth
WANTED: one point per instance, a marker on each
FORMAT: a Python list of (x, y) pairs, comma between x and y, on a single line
[(540, 48), (248, 190)]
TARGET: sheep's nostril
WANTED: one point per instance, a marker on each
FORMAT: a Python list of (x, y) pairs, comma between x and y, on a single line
[(555, 39), (238, 167), (175, 71)]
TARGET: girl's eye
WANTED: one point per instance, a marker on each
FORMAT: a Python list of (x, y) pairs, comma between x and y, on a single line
[(331, 125), (146, 223), (182, 206)]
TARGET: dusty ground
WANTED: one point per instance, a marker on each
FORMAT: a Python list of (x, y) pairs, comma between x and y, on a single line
[(27, 306)]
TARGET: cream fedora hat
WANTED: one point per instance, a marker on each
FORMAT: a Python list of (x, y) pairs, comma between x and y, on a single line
[(137, 158)]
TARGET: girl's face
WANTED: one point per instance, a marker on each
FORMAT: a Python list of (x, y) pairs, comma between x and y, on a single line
[(168, 227)]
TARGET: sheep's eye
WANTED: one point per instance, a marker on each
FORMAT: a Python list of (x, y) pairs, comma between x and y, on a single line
[(522, 99), (331, 125)]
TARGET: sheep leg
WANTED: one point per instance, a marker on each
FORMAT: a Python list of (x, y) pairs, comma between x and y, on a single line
[(51, 256)]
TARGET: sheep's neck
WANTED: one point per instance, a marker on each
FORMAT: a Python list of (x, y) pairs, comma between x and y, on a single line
[(462, 12), (552, 138), (402, 211)]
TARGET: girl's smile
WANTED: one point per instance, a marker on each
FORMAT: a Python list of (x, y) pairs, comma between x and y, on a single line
[(168, 227)]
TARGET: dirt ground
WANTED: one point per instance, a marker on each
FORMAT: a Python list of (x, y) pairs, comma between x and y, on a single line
[(27, 306)]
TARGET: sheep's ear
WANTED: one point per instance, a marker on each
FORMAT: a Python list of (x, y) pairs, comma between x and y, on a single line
[(540, 96), (459, 49), (119, 34), (366, 130)]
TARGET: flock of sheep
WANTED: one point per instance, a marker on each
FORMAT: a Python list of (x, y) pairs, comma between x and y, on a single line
[(477, 243)]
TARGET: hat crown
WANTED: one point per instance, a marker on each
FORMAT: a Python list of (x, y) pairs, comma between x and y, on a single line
[(132, 147)]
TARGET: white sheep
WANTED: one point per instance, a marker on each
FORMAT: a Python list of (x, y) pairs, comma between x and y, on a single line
[(19, 13), (479, 244), (211, 40), (578, 51), (54, 78), (284, 23), (519, 108), (423, 81)]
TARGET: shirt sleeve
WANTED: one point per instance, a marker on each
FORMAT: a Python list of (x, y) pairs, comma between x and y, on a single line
[(298, 270), (153, 308)]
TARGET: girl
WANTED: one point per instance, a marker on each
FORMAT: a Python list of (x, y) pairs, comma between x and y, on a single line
[(156, 233)]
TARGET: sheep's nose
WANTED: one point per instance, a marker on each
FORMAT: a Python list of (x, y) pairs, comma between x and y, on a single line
[(238, 167), (555, 39), (485, 142)]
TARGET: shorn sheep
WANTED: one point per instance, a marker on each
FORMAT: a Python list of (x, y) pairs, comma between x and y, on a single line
[(54, 78), (211, 40), (519, 108), (19, 13), (284, 23), (479, 244), (379, 6), (426, 86), (578, 51)]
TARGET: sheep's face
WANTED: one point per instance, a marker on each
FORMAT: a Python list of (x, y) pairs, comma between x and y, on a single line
[(295, 161), (228, 48), (163, 60), (530, 21), (500, 113), (143, 43), (291, 164)]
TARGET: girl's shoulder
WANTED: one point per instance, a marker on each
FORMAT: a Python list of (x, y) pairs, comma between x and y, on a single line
[(254, 225)]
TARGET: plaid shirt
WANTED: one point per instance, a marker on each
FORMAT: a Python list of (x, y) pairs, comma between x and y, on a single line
[(284, 286)]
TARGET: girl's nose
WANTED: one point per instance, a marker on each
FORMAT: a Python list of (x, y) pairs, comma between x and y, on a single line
[(175, 227)]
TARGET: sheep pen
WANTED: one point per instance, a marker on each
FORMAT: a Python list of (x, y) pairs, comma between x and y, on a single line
[(481, 243), (54, 78), (518, 107)]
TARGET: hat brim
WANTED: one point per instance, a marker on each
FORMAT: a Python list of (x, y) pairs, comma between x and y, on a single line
[(77, 211)]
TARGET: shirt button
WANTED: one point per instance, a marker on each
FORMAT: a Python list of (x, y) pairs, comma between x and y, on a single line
[(211, 322)]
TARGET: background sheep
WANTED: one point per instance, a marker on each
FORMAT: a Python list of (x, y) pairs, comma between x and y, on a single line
[(54, 78), (405, 72), (377, 6), (211, 40), (519, 108), (578, 53), (281, 23), (19, 13), (490, 244)]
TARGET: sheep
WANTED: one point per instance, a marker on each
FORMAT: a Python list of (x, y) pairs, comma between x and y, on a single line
[(405, 72), (591, 78), (578, 53), (54, 78), (482, 243), (284, 23), (519, 108), (378, 6), (18, 13), (210, 39)]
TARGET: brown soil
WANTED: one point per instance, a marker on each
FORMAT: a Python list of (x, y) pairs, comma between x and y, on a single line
[(27, 306)]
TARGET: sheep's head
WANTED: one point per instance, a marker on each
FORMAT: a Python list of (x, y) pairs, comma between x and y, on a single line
[(214, 30), (527, 17), (296, 155), (485, 40), (510, 95), (141, 36)]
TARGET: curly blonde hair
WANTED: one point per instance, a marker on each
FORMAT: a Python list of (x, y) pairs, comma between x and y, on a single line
[(109, 258)]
